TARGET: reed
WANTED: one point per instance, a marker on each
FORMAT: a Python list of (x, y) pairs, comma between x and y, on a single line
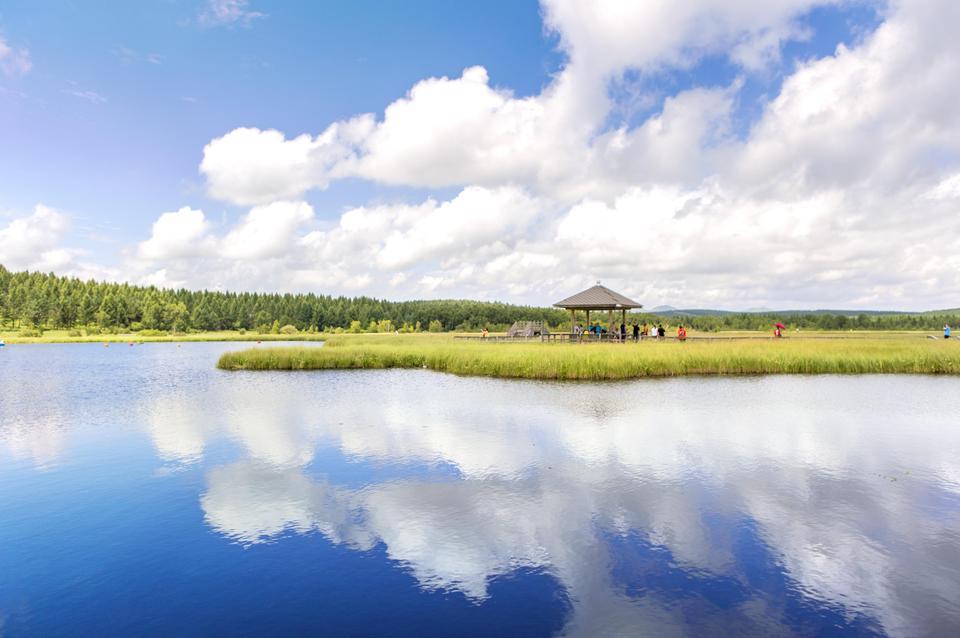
[(866, 355)]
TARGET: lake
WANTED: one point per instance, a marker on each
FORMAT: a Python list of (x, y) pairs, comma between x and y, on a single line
[(144, 492)]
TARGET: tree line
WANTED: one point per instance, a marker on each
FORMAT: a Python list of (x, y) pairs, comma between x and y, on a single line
[(39, 301), (34, 300), (819, 320)]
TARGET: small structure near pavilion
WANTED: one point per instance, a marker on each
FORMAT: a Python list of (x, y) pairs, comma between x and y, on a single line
[(528, 329), (598, 298)]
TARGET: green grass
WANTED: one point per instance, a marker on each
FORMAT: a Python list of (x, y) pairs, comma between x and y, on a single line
[(63, 336), (879, 353)]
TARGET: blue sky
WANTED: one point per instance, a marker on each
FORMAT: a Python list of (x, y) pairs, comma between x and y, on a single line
[(106, 116), (169, 84)]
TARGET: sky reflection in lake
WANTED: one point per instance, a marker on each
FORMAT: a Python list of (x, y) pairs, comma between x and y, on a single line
[(422, 503)]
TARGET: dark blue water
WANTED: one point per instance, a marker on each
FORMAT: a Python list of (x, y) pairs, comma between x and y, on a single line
[(144, 492)]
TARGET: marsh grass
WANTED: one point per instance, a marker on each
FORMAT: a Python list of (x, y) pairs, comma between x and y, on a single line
[(535, 360)]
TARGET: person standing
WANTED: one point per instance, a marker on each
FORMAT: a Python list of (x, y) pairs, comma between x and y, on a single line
[(636, 331), (946, 331), (681, 333)]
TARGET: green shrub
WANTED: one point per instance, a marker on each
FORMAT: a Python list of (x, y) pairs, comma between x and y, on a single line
[(30, 332), (74, 333), (153, 333), (289, 330)]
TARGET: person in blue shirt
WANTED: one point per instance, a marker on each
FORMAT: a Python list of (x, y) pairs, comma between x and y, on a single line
[(946, 331)]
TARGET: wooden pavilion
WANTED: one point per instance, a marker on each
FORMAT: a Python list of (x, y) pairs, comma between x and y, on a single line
[(597, 298)]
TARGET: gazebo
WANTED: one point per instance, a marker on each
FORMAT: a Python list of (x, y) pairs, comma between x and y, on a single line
[(597, 298)]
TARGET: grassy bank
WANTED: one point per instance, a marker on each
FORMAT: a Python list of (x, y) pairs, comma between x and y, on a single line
[(810, 355), (65, 336)]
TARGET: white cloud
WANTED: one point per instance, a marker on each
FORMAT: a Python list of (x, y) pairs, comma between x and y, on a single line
[(266, 231), (33, 242), (177, 234), (608, 36), (464, 131), (90, 96), (14, 62), (841, 192), (456, 131), (228, 13), (250, 166)]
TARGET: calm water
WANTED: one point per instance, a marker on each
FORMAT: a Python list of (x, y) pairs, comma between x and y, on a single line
[(144, 492)]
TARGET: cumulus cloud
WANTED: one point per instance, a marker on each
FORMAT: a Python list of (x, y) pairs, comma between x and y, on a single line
[(462, 131), (33, 242), (848, 169), (266, 231), (369, 246), (250, 166), (176, 234)]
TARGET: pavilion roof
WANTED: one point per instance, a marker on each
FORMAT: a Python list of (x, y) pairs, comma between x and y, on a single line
[(597, 298)]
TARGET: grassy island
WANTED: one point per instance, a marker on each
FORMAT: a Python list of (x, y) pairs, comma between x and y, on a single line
[(838, 354)]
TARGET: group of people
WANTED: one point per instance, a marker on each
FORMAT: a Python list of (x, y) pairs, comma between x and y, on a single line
[(619, 333)]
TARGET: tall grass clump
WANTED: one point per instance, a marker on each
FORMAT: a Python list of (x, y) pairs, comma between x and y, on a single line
[(609, 361)]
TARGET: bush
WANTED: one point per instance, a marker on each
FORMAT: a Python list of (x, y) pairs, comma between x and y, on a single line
[(30, 332), (435, 326), (289, 330), (242, 331), (153, 333), (74, 333)]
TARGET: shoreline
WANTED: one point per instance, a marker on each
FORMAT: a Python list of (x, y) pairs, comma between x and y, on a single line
[(133, 337)]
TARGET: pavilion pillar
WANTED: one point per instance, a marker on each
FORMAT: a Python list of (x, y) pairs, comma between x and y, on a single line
[(610, 322), (573, 321)]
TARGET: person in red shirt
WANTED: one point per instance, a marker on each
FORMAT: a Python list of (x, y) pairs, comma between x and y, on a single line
[(682, 333)]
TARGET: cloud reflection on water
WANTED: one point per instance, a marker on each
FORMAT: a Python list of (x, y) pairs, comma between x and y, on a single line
[(848, 489)]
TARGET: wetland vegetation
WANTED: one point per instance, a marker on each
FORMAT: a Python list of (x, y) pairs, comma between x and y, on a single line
[(855, 354)]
